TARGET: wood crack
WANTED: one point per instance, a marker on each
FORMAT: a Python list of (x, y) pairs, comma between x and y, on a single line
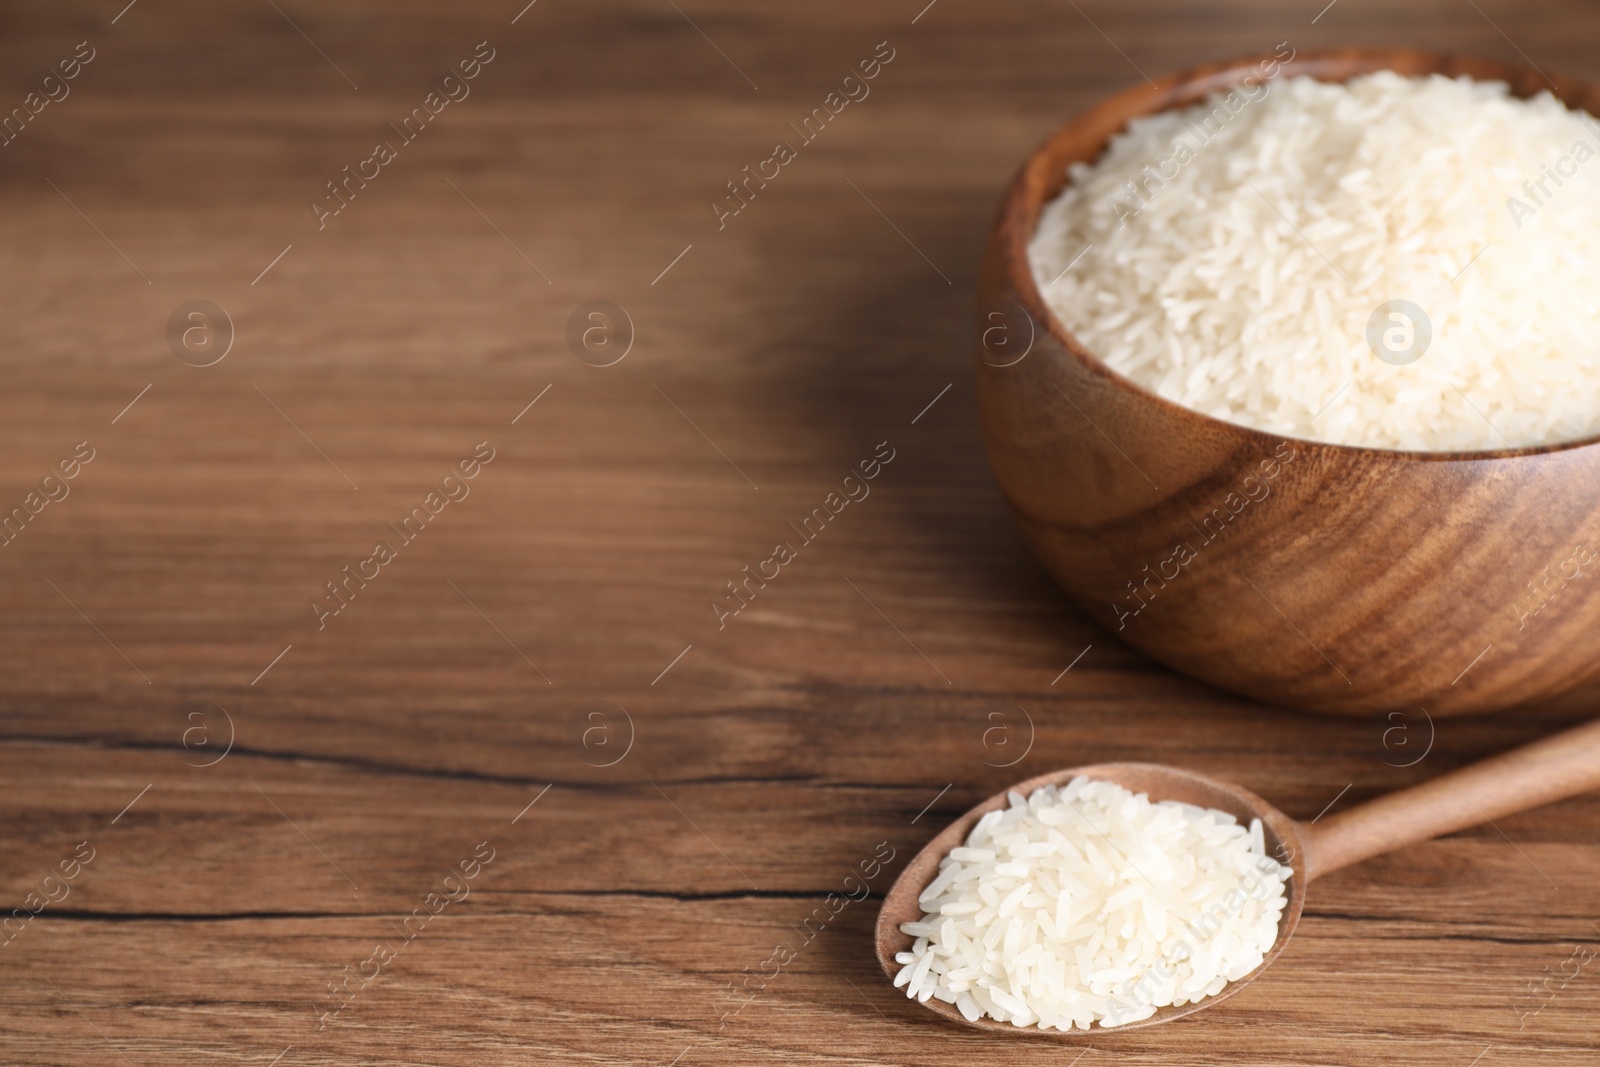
[(82, 915), (446, 774)]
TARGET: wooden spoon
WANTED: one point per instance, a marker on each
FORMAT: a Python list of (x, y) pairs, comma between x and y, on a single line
[(1540, 773)]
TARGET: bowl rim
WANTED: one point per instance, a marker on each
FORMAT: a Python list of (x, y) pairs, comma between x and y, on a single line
[(1020, 208)]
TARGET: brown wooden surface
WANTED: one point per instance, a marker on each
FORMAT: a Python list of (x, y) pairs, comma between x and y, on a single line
[(774, 757)]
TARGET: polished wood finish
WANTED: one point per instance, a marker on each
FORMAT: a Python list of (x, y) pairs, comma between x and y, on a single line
[(1542, 773), (1313, 576), (609, 931)]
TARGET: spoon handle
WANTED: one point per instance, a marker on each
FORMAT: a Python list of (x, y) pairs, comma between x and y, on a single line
[(1541, 773)]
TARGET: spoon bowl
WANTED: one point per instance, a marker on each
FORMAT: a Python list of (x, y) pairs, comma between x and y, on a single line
[(1541, 773), (1283, 843)]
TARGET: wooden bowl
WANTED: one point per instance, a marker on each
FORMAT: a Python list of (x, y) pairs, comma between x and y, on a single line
[(1358, 580)]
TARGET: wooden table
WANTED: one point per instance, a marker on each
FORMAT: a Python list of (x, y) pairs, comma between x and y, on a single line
[(533, 686)]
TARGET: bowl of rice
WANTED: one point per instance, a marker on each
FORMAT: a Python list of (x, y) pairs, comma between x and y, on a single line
[(1289, 368)]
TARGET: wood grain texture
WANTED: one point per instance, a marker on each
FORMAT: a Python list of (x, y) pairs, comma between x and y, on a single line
[(1315, 576), (779, 752)]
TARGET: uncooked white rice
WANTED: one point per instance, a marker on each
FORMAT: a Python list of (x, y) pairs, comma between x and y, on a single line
[(1206, 281), (1092, 904)]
